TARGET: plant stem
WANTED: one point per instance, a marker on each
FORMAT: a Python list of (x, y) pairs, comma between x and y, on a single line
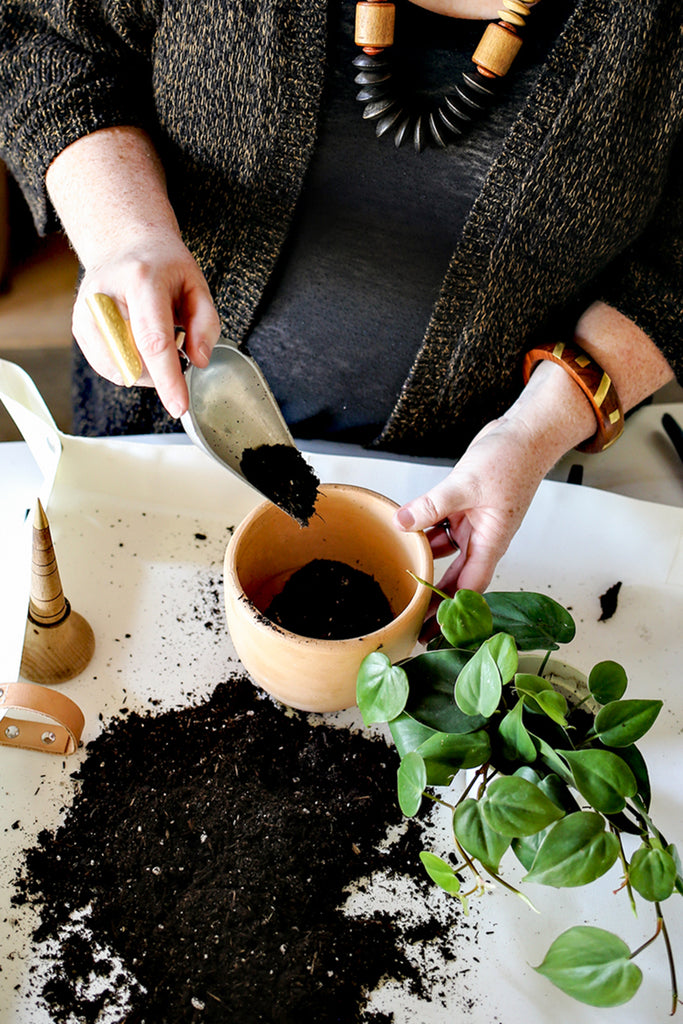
[(470, 863), (624, 862), (648, 942), (511, 888), (670, 957), (661, 928), (544, 663), (465, 792), (438, 800)]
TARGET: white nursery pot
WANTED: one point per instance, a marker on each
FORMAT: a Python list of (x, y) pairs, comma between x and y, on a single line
[(571, 682), (351, 525)]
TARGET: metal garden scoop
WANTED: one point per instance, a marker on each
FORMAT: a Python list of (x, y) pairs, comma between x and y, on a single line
[(232, 415)]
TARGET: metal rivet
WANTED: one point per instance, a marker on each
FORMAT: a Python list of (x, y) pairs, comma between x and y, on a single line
[(11, 732), (48, 737)]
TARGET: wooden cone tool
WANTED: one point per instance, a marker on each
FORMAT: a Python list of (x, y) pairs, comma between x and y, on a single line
[(58, 643)]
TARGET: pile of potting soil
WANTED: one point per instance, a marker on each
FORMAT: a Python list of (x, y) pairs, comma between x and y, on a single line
[(200, 871)]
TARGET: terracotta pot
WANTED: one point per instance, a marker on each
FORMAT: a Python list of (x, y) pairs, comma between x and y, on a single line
[(351, 525)]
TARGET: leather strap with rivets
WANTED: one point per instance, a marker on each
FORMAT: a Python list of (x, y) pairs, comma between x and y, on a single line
[(36, 717), (594, 382)]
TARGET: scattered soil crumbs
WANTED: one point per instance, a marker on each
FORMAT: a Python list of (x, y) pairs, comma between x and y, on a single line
[(199, 872), (280, 472), (330, 600), (608, 602)]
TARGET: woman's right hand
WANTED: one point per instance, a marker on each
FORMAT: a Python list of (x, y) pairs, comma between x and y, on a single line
[(109, 190), (156, 285)]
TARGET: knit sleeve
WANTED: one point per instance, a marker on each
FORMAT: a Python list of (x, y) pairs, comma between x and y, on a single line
[(67, 70), (646, 282)]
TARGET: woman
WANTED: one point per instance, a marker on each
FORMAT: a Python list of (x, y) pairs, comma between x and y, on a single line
[(210, 166)]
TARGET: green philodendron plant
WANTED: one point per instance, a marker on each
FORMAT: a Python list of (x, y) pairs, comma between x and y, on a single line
[(558, 783)]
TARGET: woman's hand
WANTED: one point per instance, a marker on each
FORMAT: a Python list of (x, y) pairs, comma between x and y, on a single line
[(483, 500), (486, 496), (109, 191), (156, 284)]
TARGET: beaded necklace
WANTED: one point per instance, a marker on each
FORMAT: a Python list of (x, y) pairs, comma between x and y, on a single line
[(428, 121)]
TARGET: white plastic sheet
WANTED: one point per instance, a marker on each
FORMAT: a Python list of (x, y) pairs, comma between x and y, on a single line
[(140, 531)]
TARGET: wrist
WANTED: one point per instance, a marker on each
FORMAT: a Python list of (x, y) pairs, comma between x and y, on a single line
[(551, 415)]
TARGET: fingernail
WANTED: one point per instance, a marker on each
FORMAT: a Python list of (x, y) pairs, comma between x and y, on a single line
[(175, 410), (203, 352), (405, 518)]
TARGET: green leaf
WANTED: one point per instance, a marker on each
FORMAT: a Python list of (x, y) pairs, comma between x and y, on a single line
[(607, 681), (504, 652), (602, 777), (475, 835), (465, 619), (673, 853), (408, 734), (554, 761), (652, 873), (593, 966), (441, 872), (539, 696), (514, 806), (576, 851), (431, 677), (479, 686), (636, 762), (381, 688), (621, 722), (412, 779), (517, 743), (445, 754), (525, 848), (536, 621)]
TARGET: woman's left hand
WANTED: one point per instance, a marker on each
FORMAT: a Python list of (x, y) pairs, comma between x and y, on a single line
[(483, 500), (486, 496)]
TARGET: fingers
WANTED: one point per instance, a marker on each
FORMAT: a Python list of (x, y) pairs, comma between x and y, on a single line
[(471, 516), (455, 493), (154, 294), (202, 326), (152, 324)]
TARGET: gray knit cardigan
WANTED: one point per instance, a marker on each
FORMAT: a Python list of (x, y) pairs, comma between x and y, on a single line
[(584, 202)]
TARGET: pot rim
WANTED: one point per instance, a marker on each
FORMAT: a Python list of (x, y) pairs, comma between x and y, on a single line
[(422, 593)]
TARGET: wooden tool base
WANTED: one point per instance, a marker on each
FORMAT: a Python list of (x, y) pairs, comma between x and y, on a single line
[(58, 642), (53, 654)]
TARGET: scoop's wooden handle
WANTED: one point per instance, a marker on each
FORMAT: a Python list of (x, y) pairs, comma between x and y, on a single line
[(118, 335)]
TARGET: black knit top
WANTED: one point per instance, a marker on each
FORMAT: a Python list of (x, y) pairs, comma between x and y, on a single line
[(581, 201)]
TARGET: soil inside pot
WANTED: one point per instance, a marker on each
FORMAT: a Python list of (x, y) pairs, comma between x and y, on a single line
[(198, 874), (280, 472), (329, 600)]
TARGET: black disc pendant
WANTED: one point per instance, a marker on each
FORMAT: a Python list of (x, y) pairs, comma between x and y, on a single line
[(428, 123)]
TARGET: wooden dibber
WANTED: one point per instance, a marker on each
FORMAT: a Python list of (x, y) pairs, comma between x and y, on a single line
[(58, 643)]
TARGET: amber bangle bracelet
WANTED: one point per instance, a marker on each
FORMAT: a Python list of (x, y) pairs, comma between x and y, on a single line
[(594, 382)]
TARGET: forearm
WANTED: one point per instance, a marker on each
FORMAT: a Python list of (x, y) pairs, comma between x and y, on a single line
[(553, 413), (486, 495), (109, 190)]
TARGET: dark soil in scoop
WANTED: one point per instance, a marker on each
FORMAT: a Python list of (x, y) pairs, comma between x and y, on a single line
[(330, 600), (207, 851), (280, 472)]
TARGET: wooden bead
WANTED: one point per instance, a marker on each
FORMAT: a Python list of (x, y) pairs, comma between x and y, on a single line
[(497, 50), (375, 24), (517, 7), (512, 18)]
